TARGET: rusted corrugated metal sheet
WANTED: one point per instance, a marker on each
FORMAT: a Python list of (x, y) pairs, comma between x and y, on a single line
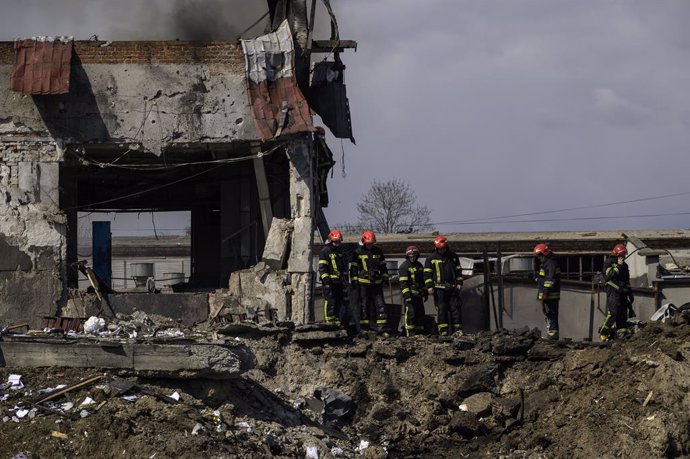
[(42, 66), (278, 105)]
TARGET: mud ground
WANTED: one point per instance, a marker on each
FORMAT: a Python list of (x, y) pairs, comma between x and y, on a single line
[(502, 394)]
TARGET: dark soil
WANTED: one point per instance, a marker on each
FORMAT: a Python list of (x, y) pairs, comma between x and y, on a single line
[(503, 394)]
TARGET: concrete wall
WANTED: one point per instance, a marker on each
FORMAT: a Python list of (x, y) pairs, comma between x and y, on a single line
[(32, 232), (148, 93)]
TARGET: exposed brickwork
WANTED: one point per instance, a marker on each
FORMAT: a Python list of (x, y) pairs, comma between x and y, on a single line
[(150, 52)]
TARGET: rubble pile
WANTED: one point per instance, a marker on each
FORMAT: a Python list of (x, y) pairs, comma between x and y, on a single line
[(317, 393)]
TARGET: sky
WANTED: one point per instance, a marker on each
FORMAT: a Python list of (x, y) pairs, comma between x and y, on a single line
[(487, 108)]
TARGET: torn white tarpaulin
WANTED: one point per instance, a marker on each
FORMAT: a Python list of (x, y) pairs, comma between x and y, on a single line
[(270, 56)]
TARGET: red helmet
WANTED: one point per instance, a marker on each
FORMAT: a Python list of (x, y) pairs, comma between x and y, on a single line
[(541, 249), (440, 242), (619, 250), (368, 237), (335, 236), (411, 250)]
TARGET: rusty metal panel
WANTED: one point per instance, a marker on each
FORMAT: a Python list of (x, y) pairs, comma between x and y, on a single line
[(278, 105), (42, 65)]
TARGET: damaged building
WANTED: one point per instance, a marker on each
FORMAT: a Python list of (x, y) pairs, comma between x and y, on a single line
[(220, 129)]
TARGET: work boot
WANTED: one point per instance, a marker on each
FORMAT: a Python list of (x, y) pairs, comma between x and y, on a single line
[(443, 333), (603, 338), (551, 335), (623, 333), (385, 334)]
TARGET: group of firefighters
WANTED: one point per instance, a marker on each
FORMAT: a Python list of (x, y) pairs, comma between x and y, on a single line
[(364, 274)]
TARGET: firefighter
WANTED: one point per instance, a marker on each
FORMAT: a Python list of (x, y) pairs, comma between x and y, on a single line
[(368, 270), (619, 297), (549, 281), (411, 277), (333, 272), (443, 279)]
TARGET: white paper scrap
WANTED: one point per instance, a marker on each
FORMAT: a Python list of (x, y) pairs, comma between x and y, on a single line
[(15, 382)]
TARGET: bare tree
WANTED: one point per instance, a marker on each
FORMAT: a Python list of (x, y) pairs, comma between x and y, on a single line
[(391, 207)]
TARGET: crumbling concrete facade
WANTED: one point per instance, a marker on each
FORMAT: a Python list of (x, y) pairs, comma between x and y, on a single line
[(153, 125)]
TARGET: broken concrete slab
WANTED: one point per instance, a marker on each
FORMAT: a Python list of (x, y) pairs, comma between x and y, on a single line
[(171, 360), (247, 328), (319, 335)]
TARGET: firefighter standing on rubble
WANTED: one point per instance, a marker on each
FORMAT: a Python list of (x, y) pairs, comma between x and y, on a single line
[(443, 279), (368, 269), (619, 297), (549, 281), (411, 277), (333, 272)]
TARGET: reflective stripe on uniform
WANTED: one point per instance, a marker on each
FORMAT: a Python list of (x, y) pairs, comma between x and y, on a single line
[(437, 265)]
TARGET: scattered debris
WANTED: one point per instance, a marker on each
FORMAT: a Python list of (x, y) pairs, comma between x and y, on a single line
[(375, 398)]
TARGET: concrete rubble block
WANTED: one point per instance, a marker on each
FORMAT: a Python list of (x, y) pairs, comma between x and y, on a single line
[(222, 302), (478, 404), (277, 242), (260, 291)]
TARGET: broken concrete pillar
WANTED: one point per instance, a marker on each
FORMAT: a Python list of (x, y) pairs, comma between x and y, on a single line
[(302, 211), (275, 250)]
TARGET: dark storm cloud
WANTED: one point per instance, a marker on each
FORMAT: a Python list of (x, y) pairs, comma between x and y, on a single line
[(131, 19), (493, 108)]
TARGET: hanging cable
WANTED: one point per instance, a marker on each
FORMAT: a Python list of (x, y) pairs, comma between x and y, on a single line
[(595, 206), (174, 182)]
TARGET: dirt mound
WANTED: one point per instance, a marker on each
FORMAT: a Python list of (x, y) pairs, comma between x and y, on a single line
[(506, 394)]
